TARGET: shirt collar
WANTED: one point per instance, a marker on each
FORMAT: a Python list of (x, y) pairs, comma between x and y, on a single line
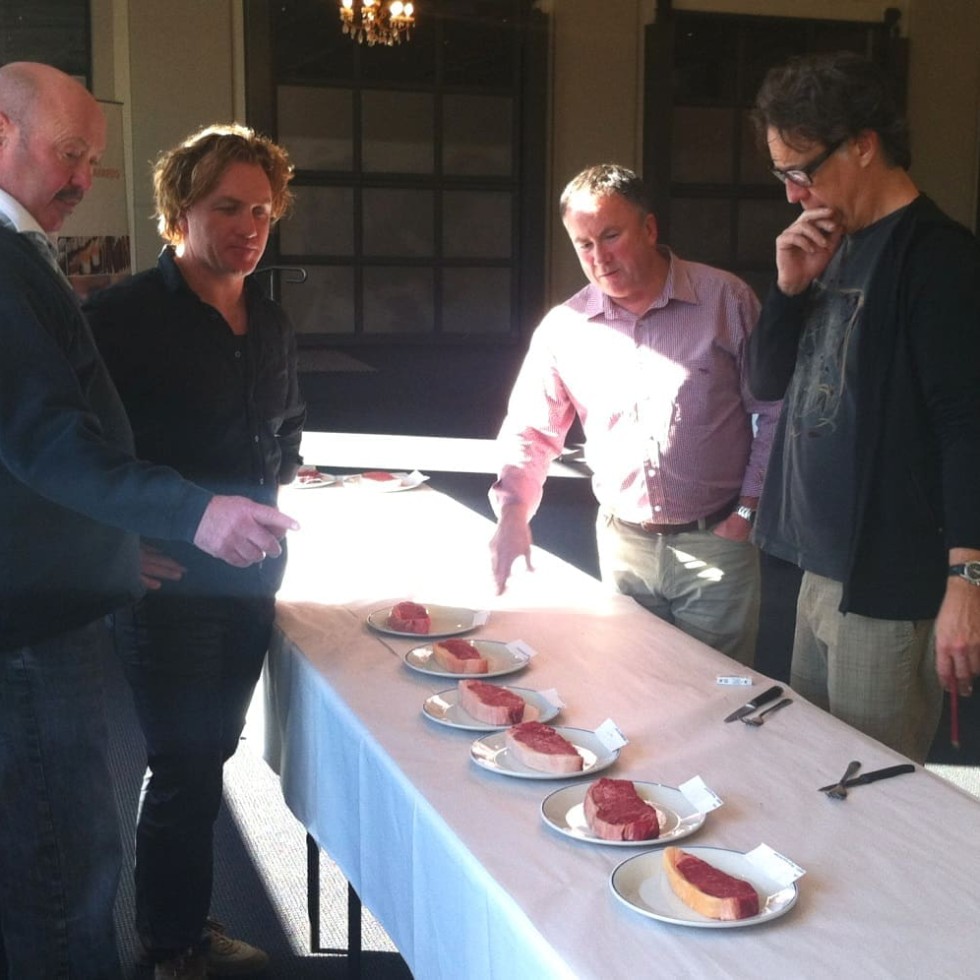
[(168, 269), (18, 215), (174, 281), (678, 286)]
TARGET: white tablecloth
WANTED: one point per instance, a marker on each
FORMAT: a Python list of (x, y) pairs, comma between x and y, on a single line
[(457, 863), (355, 450)]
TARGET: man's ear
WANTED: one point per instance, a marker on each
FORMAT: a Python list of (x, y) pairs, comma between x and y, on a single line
[(867, 146), (651, 228)]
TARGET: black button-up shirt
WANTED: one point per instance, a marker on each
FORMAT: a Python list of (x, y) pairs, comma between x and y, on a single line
[(224, 410)]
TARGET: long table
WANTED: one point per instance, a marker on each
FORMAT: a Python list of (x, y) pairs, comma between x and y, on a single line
[(456, 862)]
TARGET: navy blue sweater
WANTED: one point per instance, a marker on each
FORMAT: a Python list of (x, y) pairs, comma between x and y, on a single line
[(72, 498)]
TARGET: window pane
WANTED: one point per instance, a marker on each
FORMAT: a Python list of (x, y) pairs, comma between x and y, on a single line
[(768, 44), (410, 62), (476, 225), (759, 222), (476, 301), (320, 223), (55, 32), (398, 301), (704, 61), (316, 126), (478, 46), (755, 159), (477, 135), (699, 230), (324, 303), (398, 223), (397, 132), (309, 43), (701, 150)]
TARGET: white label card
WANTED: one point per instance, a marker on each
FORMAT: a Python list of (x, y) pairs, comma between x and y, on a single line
[(700, 795), (733, 679), (552, 697), (611, 737), (480, 617), (519, 646), (775, 865)]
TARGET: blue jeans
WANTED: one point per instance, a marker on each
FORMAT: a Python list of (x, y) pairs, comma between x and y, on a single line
[(192, 663), (60, 851)]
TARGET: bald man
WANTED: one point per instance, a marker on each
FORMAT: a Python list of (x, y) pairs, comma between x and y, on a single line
[(73, 503)]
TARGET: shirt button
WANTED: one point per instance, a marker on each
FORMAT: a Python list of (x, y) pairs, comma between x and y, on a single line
[(238, 353), (657, 509), (255, 438), (261, 481)]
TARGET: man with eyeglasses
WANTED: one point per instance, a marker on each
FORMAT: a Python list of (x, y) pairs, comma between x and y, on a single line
[(872, 334)]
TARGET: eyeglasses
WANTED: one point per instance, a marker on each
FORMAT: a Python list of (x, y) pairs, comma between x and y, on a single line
[(803, 176)]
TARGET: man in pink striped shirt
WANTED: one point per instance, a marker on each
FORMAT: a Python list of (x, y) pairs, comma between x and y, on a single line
[(650, 356)]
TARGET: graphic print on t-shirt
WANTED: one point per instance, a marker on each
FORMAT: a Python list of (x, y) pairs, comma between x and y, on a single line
[(821, 367)]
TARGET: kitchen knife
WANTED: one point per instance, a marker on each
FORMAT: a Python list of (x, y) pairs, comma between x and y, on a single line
[(873, 776), (770, 694)]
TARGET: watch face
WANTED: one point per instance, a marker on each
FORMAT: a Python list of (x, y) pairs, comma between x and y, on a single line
[(971, 571)]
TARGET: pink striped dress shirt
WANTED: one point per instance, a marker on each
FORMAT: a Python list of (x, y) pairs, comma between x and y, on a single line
[(663, 399)]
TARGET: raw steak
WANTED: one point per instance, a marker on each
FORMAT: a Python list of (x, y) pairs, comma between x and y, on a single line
[(539, 746), (490, 703), (707, 889), (615, 811), (409, 617), (460, 657)]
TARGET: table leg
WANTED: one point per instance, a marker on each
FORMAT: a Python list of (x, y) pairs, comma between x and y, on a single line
[(353, 951)]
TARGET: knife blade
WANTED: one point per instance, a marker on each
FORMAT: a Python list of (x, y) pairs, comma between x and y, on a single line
[(770, 694), (873, 776)]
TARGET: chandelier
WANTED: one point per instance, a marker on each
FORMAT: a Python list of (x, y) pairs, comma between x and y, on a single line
[(375, 22)]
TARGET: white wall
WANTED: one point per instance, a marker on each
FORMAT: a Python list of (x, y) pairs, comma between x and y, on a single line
[(175, 67)]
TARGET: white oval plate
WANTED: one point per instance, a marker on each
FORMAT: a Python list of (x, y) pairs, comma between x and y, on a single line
[(641, 883), (444, 621), (564, 810), (445, 709), (491, 752), (501, 659), (312, 482), (399, 481)]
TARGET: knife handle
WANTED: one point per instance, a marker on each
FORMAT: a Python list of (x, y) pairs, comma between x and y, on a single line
[(770, 694), (873, 777)]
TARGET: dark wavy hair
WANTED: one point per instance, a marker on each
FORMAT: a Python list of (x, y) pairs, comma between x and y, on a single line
[(826, 98), (607, 178), (190, 171)]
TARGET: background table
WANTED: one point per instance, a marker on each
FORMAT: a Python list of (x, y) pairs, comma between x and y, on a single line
[(456, 862)]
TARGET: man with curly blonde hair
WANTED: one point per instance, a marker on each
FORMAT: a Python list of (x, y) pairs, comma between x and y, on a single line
[(206, 367)]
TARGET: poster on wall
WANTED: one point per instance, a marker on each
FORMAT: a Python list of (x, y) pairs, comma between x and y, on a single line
[(94, 242)]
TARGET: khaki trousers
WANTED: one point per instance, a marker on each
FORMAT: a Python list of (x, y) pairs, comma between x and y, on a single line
[(705, 585), (878, 675)]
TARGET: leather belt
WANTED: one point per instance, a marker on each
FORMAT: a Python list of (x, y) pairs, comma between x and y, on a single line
[(701, 524)]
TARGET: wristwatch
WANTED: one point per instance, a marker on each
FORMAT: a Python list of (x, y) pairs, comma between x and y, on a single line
[(748, 514), (970, 570)]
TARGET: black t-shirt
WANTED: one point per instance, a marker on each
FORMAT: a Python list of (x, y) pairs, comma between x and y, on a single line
[(806, 515)]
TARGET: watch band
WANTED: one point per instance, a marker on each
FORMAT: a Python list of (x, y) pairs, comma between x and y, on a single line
[(746, 513), (969, 570)]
